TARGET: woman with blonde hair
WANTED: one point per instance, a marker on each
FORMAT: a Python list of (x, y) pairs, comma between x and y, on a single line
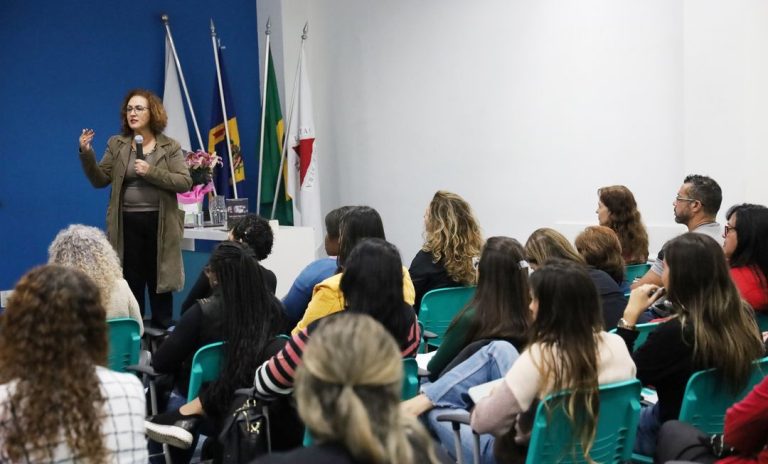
[(452, 241), (348, 391), (617, 209), (545, 244), (58, 403), (87, 249)]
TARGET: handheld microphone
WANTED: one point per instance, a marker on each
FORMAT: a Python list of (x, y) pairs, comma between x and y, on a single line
[(139, 149)]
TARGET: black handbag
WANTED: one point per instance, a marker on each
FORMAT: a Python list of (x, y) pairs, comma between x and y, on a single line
[(245, 432)]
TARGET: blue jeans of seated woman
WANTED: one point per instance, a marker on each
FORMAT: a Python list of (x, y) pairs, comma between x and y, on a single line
[(449, 392), (648, 430)]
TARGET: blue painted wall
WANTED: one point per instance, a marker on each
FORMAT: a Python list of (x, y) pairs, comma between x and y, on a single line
[(66, 65)]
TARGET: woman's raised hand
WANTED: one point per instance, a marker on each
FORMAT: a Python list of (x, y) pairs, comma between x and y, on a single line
[(86, 137)]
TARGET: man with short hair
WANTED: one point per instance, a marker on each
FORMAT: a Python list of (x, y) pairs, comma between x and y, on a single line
[(696, 206)]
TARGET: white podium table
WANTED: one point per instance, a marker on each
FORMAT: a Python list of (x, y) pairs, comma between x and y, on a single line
[(293, 249)]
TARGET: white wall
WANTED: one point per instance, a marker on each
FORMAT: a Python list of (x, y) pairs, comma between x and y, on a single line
[(526, 108)]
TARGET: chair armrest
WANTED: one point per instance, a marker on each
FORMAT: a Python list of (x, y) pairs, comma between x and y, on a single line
[(429, 335), (154, 332), (457, 417), (143, 369)]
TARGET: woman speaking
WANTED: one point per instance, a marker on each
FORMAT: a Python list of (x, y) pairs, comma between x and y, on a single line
[(144, 223)]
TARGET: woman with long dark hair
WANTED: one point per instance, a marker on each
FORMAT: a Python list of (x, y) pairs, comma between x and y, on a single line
[(372, 284), (617, 209), (327, 298), (746, 248), (568, 351), (58, 403), (499, 308), (711, 328), (348, 391), (452, 241), (241, 312)]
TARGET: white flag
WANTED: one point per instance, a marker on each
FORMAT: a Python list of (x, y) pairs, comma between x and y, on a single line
[(174, 106), (303, 174)]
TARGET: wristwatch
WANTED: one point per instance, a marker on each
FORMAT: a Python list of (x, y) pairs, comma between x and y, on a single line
[(623, 324)]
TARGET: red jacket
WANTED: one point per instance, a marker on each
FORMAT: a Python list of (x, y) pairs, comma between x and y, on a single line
[(746, 427)]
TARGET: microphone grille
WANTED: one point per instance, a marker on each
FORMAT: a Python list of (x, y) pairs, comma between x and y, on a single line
[(138, 139)]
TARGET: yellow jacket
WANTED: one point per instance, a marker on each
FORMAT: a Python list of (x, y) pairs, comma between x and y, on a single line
[(328, 299)]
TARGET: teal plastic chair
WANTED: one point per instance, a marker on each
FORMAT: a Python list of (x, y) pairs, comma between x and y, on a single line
[(410, 378), (635, 271), (707, 398), (124, 343), (438, 307), (206, 367), (643, 331), (553, 440), (552, 437)]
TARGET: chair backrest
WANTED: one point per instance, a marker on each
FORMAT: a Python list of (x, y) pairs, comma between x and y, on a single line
[(762, 321), (438, 307), (553, 440), (707, 397), (410, 378), (643, 331), (124, 343), (206, 367), (634, 271)]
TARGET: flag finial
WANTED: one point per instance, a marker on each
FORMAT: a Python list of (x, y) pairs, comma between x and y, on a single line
[(213, 28), (164, 17), (269, 26), (306, 29)]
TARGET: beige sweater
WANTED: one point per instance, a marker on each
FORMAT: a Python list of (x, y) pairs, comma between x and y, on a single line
[(122, 303), (498, 412)]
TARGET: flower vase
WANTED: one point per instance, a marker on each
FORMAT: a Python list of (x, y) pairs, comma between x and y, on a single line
[(193, 213)]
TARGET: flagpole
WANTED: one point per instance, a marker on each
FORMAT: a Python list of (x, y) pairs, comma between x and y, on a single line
[(223, 106), (181, 76), (263, 117), (290, 120)]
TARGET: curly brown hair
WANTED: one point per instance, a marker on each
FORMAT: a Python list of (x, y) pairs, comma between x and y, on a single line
[(54, 334), (625, 220), (157, 115), (453, 236)]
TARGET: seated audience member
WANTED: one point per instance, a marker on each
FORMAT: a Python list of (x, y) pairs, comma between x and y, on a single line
[(372, 283), (87, 249), (348, 391), (713, 328), (617, 209), (545, 244), (58, 403), (499, 308), (452, 240), (241, 312), (252, 230), (327, 298), (746, 248), (567, 350), (744, 440), (298, 297), (600, 248), (696, 205)]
